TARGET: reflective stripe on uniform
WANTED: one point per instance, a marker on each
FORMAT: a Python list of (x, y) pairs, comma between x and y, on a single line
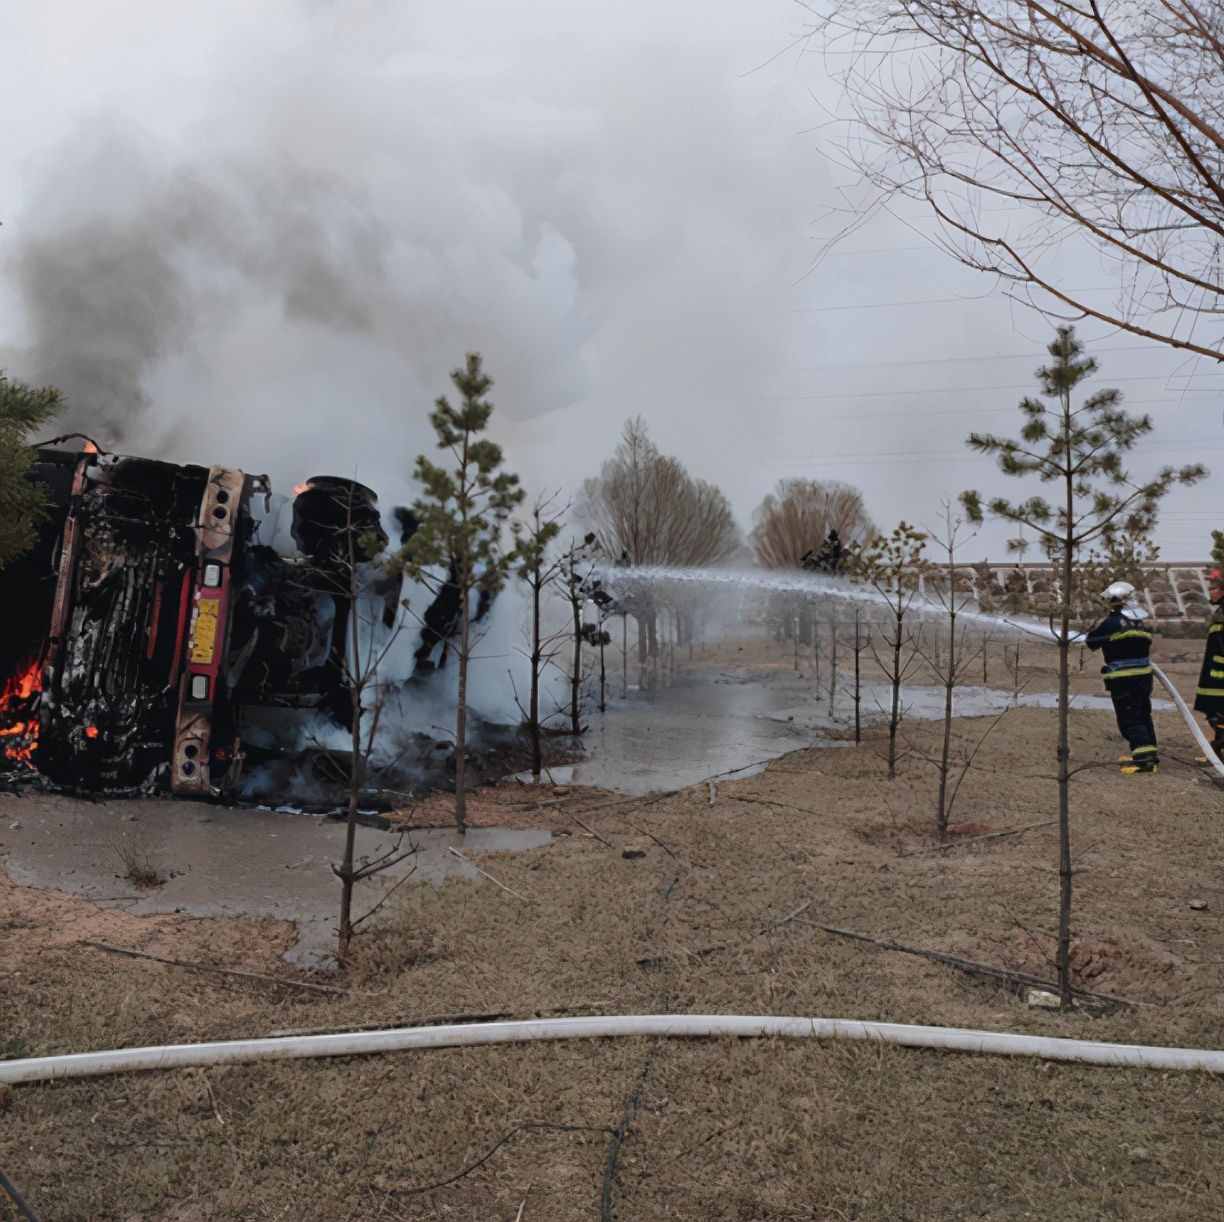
[(1139, 632), (1128, 674), (1143, 750), (1216, 658), (1215, 674), (1214, 692)]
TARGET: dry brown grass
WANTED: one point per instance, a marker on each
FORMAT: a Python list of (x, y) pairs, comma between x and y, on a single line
[(751, 1131)]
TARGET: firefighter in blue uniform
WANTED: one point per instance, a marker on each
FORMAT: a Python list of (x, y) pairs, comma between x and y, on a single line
[(1209, 698), (1125, 639)]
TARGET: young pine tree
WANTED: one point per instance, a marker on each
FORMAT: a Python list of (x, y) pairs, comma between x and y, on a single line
[(1079, 451), (462, 516), (22, 408)]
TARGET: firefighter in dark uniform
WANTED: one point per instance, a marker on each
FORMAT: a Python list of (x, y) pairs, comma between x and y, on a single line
[(1209, 698), (1125, 639)]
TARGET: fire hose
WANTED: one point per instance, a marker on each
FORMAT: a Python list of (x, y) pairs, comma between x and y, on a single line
[(1188, 717), (684, 1026)]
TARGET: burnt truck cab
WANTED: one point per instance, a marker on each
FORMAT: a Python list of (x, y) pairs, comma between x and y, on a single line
[(151, 613)]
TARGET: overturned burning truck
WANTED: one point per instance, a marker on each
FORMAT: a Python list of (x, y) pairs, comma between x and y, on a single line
[(163, 603)]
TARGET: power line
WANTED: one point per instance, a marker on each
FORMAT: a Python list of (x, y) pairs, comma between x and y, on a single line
[(872, 459), (950, 360), (940, 390), (887, 305)]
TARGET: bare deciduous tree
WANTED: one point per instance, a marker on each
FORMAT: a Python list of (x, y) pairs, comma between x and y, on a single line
[(894, 566), (952, 665), (646, 509), (573, 578), (1023, 123), (352, 569), (798, 514), (538, 570)]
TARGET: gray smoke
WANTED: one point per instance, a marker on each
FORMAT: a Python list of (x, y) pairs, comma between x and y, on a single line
[(131, 260), (289, 223)]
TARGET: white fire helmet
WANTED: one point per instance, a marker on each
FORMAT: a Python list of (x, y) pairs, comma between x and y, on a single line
[(1120, 592)]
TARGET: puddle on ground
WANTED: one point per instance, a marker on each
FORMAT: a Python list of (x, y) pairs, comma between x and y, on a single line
[(257, 863), (225, 863), (723, 724)]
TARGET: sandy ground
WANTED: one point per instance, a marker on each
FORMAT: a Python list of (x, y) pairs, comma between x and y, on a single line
[(699, 917)]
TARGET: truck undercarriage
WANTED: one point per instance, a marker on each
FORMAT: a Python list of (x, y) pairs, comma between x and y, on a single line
[(164, 603)]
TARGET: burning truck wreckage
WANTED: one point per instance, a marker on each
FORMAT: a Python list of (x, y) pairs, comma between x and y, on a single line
[(156, 632)]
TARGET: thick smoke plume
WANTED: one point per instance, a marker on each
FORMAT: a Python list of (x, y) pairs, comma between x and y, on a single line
[(267, 247), (262, 235)]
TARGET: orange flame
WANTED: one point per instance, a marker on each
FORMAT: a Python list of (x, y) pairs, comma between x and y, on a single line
[(18, 724), (298, 489), (91, 731), (89, 447)]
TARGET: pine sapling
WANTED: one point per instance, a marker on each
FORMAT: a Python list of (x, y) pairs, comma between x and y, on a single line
[(462, 517)]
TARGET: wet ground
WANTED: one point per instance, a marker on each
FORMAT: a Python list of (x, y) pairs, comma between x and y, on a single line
[(716, 723), (219, 862), (222, 862)]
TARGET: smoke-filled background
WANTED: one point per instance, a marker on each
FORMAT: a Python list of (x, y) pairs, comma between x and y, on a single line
[(262, 234)]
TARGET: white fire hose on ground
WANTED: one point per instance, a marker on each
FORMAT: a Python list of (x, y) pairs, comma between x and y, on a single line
[(405, 1039), (1188, 718), (689, 1026)]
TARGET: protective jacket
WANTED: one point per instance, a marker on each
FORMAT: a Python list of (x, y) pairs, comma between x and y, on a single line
[(1209, 698), (1127, 646)]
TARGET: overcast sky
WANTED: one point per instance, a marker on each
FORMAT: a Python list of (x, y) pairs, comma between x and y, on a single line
[(261, 234)]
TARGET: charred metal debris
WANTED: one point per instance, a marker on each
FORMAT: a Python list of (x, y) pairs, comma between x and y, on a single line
[(164, 605)]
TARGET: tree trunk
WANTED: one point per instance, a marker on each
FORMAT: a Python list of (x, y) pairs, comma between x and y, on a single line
[(603, 673), (350, 837), (465, 633), (985, 651), (345, 938), (576, 674), (652, 632), (832, 664), (796, 644), (1064, 737), (533, 715), (894, 718), (941, 808), (858, 686), (642, 643), (624, 657)]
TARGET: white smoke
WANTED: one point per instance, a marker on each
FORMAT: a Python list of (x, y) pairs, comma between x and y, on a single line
[(262, 235)]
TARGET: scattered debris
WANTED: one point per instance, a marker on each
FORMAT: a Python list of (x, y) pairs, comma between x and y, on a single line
[(972, 967), (957, 844), (138, 867), (633, 854), (1198, 905), (1042, 999), (485, 874), (225, 971)]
